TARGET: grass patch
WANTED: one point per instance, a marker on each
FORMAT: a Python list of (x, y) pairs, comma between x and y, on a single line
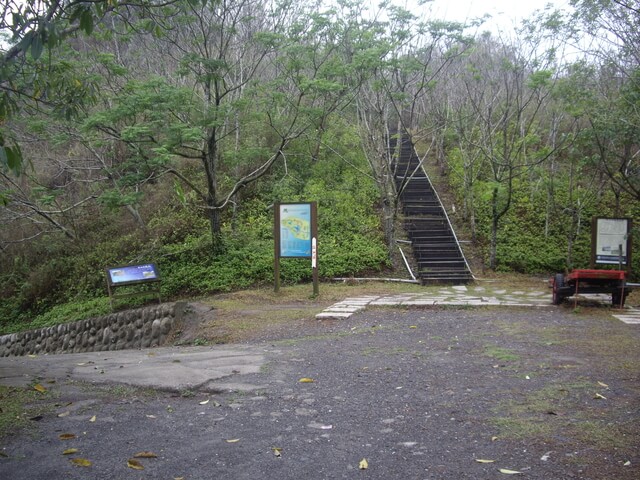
[(515, 428), (558, 410), (604, 435), (70, 312), (612, 345), (249, 314), (19, 405), (501, 354)]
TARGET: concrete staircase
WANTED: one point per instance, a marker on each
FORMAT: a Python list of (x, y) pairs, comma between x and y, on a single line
[(435, 246)]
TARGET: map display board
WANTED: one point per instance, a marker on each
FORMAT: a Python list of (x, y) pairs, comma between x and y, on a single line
[(611, 234), (132, 274), (295, 230)]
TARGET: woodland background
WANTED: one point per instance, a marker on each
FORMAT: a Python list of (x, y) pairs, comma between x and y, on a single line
[(163, 131)]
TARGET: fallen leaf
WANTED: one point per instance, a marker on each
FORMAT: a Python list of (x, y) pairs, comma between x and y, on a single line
[(93, 419), (145, 455), (364, 464), (306, 380), (627, 463), (81, 462), (150, 416), (32, 356), (135, 464), (603, 385), (233, 440), (204, 402), (545, 457), (66, 436), (70, 451), (39, 388), (277, 451), (493, 439), (482, 460), (64, 414), (4, 455), (37, 418), (178, 478), (597, 396), (506, 471), (413, 326)]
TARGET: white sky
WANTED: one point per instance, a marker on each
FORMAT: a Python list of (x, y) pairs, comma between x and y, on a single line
[(505, 13)]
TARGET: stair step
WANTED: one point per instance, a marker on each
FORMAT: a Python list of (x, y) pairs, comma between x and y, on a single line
[(435, 249)]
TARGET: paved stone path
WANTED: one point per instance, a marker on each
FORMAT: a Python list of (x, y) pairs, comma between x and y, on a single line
[(461, 295)]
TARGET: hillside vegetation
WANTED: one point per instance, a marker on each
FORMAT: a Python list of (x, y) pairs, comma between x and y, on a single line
[(165, 132)]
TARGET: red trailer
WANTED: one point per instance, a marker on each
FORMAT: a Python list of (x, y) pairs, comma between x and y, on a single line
[(591, 281)]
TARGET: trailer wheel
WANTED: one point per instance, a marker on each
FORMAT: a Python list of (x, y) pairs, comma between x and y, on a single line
[(558, 283)]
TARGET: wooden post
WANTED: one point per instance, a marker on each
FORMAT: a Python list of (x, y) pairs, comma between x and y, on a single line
[(314, 248), (276, 242)]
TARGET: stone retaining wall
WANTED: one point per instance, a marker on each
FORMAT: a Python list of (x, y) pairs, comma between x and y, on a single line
[(140, 328)]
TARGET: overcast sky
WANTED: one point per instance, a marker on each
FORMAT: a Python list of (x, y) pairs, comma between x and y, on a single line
[(505, 13)]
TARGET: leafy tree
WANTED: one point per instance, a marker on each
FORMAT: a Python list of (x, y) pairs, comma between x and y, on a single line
[(29, 72), (612, 25), (506, 91), (409, 56)]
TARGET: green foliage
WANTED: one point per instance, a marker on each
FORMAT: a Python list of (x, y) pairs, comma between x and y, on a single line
[(19, 406), (534, 236), (70, 284)]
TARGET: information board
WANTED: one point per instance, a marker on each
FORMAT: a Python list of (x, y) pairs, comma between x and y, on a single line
[(295, 230), (131, 274), (295, 234), (611, 241)]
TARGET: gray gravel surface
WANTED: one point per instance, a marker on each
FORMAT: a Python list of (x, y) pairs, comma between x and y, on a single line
[(419, 394)]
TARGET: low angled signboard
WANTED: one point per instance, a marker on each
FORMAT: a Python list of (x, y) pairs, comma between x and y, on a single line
[(131, 274)]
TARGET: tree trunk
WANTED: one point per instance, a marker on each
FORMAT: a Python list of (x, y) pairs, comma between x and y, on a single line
[(493, 248), (137, 217), (389, 223), (215, 224)]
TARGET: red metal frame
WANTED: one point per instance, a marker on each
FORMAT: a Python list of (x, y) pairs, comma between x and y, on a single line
[(596, 275)]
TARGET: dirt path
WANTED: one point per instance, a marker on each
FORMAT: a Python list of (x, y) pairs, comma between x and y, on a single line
[(418, 393)]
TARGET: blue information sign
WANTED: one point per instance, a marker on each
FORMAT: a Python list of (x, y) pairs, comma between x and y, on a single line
[(295, 230), (132, 274)]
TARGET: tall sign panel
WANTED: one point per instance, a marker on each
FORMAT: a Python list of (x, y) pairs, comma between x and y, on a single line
[(295, 231), (611, 241)]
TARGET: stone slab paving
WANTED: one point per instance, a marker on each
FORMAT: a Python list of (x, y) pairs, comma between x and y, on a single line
[(629, 315), (462, 295)]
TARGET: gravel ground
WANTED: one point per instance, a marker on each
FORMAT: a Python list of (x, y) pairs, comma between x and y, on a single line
[(417, 393)]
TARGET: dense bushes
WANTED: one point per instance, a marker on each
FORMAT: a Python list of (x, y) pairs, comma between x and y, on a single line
[(548, 225), (59, 280)]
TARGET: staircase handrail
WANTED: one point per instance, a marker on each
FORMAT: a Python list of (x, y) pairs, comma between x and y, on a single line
[(421, 165)]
